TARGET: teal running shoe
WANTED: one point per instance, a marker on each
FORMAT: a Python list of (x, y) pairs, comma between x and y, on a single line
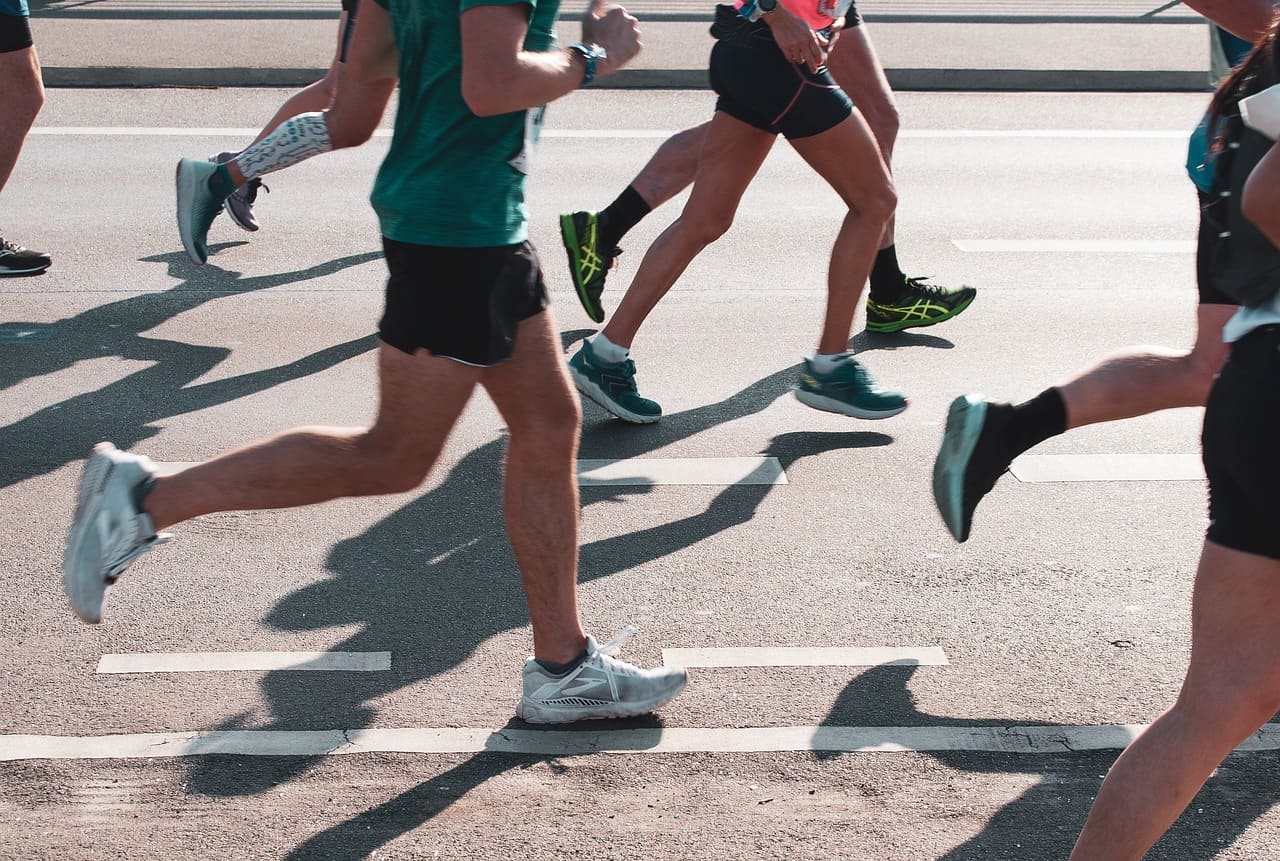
[(198, 206), (613, 387), (847, 390), (970, 460)]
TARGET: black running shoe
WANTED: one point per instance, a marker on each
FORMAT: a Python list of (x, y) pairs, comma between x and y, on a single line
[(919, 304), (971, 460), (16, 260), (589, 264)]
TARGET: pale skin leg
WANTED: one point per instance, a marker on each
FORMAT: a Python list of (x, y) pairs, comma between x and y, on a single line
[(1232, 687), (312, 465), (23, 96), (1146, 379)]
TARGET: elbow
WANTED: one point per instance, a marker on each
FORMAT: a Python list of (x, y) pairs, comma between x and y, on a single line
[(482, 98), (1260, 204)]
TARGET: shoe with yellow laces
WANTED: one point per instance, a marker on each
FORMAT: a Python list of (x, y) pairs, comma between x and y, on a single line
[(588, 264), (919, 303)]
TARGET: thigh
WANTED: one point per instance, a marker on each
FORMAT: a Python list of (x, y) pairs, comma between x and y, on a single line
[(533, 388), (856, 68), (732, 153), (420, 397), (849, 159)]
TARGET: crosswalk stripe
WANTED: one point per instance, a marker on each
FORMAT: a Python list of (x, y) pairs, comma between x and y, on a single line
[(1052, 739), (1108, 467), (778, 656), (204, 662), (1075, 246)]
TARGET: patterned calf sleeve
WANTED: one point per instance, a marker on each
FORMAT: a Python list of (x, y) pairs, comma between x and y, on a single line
[(296, 139)]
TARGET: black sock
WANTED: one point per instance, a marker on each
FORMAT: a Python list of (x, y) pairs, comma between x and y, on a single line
[(1033, 422), (886, 276), (620, 216), (560, 669)]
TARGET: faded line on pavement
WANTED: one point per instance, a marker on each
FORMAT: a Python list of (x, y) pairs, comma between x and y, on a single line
[(1108, 467), (633, 134), (217, 662), (780, 656), (995, 739), (1075, 246), (649, 471)]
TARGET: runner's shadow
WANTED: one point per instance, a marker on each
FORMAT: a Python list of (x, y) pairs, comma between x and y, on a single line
[(127, 411), (865, 341), (436, 579), (1043, 822)]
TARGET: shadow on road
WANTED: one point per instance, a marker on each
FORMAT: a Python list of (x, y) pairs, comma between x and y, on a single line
[(1044, 821), (126, 412)]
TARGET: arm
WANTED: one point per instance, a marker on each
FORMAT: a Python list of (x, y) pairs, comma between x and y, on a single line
[(1261, 201), (1245, 18), (372, 54), (499, 77), (798, 43)]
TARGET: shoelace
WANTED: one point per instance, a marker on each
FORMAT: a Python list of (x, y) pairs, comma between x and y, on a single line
[(619, 640), (6, 245), (922, 285), (251, 196)]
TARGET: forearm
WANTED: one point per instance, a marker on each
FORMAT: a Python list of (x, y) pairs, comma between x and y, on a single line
[(1261, 201), (536, 78), (1245, 18)]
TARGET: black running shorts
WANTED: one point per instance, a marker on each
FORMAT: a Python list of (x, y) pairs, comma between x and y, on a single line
[(1206, 236), (15, 33), (348, 6), (1241, 443), (758, 85), (851, 17), (460, 303)]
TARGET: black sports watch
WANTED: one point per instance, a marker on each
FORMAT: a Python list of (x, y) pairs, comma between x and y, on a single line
[(590, 54), (766, 6)]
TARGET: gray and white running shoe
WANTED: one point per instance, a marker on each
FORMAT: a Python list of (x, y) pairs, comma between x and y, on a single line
[(600, 687), (239, 205), (109, 530)]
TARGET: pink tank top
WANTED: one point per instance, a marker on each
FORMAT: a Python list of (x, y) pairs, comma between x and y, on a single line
[(818, 14)]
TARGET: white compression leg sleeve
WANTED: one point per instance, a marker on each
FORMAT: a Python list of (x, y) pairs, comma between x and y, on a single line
[(294, 140)]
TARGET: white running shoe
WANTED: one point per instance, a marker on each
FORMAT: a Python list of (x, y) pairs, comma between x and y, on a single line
[(600, 687), (108, 531)]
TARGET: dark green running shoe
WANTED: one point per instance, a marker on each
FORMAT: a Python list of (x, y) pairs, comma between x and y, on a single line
[(921, 304), (612, 386), (588, 264), (847, 390), (970, 460)]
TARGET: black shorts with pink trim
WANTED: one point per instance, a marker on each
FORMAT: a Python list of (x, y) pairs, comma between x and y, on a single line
[(758, 85)]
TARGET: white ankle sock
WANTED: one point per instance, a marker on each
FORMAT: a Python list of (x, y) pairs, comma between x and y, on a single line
[(294, 140), (607, 351), (825, 363)]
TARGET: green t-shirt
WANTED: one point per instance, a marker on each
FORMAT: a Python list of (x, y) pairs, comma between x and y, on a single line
[(451, 178)]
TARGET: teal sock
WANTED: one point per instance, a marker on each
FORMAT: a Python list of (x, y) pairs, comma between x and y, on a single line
[(220, 182)]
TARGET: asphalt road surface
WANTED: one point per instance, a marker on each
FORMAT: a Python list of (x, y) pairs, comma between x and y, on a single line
[(1062, 621)]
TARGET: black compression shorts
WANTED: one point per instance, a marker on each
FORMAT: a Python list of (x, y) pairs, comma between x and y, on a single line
[(15, 33), (758, 85), (463, 304), (1241, 448)]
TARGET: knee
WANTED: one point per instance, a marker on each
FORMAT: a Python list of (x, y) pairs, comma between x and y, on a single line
[(553, 426), (389, 465), (1230, 711), (344, 134), (879, 204), (706, 227), (885, 121), (26, 102)]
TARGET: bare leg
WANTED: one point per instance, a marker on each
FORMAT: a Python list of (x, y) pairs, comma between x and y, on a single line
[(23, 91), (1146, 379), (670, 170), (535, 397), (856, 67), (847, 157), (310, 465), (731, 156), (1232, 687)]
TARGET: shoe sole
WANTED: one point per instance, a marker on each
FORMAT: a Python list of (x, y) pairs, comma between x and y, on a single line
[(569, 236), (93, 482), (14, 273), (184, 179), (831, 405), (540, 714), (251, 226), (890, 328), (597, 396), (965, 418)]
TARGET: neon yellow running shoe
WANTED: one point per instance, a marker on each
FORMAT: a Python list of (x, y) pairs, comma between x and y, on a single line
[(920, 304), (588, 264)]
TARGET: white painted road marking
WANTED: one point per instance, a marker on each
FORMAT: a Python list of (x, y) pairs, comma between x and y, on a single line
[(210, 662), (648, 471), (1108, 467), (681, 470), (997, 739), (636, 134), (928, 656), (1075, 246)]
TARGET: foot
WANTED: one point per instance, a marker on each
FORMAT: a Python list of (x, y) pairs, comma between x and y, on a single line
[(919, 304), (612, 386), (601, 687), (239, 205), (847, 390), (198, 206), (588, 265), (109, 530), (970, 460), (16, 260)]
